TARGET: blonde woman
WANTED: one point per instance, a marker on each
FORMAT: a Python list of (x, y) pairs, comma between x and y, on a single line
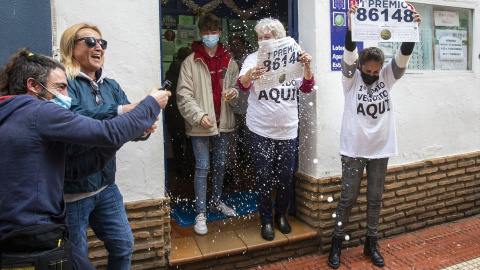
[(96, 200)]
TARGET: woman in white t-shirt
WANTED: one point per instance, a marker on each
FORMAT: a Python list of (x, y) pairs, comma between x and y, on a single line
[(272, 118), (367, 138)]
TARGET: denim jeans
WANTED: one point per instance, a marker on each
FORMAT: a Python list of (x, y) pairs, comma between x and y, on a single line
[(80, 260), (201, 148), (352, 171), (107, 217), (274, 161)]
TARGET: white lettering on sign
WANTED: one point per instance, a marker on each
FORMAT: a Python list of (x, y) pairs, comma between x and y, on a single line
[(337, 48)]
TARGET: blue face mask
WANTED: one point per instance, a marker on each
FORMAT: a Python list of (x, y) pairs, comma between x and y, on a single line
[(62, 100), (59, 99), (210, 40)]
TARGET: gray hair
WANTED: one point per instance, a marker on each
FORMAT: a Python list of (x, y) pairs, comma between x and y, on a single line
[(269, 24)]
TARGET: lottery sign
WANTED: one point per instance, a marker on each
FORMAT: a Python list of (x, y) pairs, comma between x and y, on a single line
[(384, 20), (280, 57)]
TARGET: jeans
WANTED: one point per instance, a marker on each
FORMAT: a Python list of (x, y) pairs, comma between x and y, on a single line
[(201, 148), (107, 217), (352, 171), (274, 161), (80, 260)]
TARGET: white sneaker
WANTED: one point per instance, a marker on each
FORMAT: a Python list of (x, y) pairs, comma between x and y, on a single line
[(220, 208), (200, 226)]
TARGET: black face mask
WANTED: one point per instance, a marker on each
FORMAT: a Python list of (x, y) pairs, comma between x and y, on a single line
[(368, 79)]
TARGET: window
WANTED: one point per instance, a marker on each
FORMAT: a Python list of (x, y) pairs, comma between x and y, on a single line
[(445, 39)]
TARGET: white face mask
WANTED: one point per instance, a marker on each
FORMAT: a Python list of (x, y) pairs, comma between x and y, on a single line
[(210, 40)]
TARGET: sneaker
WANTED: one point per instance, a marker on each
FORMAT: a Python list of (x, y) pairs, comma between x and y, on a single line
[(200, 226), (220, 208)]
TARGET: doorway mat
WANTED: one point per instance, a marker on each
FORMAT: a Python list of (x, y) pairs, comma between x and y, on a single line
[(243, 202)]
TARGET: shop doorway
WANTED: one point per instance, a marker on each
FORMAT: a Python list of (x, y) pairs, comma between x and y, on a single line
[(179, 30)]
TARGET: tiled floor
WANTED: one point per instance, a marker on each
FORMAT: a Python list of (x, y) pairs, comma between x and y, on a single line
[(449, 246), (227, 237)]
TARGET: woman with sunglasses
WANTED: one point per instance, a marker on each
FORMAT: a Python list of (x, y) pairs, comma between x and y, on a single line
[(96, 199)]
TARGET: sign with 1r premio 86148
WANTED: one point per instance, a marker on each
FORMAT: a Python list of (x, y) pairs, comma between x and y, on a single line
[(384, 20), (281, 58)]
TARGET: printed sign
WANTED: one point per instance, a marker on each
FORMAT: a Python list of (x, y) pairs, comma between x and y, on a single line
[(385, 20), (280, 57), (169, 21), (451, 48), (187, 32), (446, 18)]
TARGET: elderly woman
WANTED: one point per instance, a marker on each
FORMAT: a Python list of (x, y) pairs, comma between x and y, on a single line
[(273, 131), (96, 200)]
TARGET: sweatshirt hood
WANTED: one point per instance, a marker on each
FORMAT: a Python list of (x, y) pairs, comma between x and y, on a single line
[(10, 104)]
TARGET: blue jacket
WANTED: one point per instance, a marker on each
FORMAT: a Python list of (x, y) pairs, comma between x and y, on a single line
[(33, 134), (83, 102)]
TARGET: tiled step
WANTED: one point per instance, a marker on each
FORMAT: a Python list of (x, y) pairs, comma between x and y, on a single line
[(238, 235)]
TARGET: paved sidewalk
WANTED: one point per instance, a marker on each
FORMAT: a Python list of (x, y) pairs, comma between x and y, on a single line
[(454, 245)]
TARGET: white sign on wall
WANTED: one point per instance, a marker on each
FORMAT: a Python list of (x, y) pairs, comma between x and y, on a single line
[(187, 32), (451, 48), (385, 20), (446, 18)]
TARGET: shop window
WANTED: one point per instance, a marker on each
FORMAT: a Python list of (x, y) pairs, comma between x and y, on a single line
[(445, 39)]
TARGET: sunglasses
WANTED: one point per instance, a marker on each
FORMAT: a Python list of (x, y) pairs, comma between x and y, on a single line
[(92, 42), (96, 91)]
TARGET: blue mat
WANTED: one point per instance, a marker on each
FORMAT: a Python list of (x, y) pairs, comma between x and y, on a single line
[(243, 202)]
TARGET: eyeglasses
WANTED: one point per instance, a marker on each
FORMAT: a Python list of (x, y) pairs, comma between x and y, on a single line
[(96, 91), (92, 42)]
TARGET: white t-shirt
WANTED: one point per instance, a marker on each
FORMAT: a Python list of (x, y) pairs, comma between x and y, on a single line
[(272, 113), (368, 125)]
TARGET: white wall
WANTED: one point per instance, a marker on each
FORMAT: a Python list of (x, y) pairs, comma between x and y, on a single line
[(133, 60), (437, 112)]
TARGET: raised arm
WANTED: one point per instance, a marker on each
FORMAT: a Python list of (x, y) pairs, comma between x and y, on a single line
[(400, 62), (57, 124), (350, 56)]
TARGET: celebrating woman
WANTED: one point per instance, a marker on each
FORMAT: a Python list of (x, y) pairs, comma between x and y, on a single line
[(96, 200), (367, 139), (273, 125)]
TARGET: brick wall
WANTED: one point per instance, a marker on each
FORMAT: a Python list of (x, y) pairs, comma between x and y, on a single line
[(416, 195), (150, 223)]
